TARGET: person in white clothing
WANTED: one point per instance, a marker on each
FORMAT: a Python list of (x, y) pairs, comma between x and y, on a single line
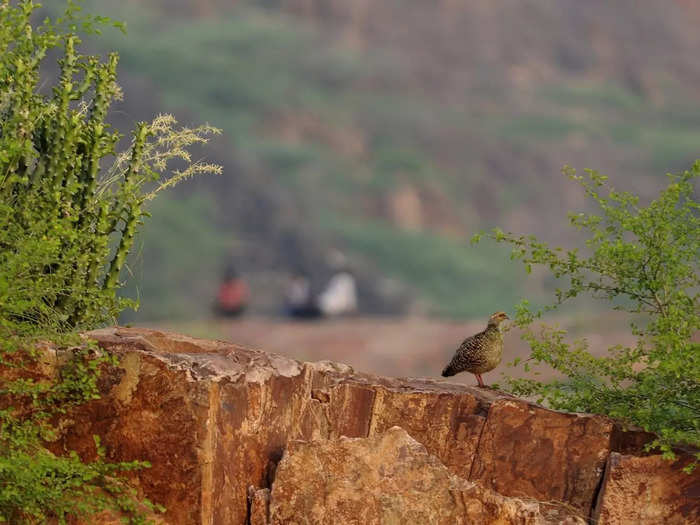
[(340, 295)]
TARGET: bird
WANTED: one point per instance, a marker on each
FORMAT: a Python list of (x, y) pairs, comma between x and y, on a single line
[(480, 352)]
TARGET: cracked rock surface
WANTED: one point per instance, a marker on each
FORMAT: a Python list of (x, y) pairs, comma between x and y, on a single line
[(215, 419), (389, 478)]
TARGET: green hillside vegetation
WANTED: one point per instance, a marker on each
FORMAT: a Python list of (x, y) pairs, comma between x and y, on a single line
[(435, 264), (339, 129)]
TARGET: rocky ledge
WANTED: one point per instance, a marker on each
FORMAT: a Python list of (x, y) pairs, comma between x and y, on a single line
[(240, 436)]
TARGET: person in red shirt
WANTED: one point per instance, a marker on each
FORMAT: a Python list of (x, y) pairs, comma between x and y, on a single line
[(233, 295)]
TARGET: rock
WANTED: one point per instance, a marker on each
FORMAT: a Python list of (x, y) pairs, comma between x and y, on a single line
[(648, 491), (448, 423), (259, 506), (214, 419), (390, 479), (526, 450)]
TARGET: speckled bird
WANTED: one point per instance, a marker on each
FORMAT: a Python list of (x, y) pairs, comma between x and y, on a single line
[(480, 352)]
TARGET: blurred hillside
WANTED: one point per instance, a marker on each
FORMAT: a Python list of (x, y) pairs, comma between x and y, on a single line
[(393, 131)]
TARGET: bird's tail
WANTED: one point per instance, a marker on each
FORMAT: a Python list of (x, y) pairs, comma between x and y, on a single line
[(448, 371)]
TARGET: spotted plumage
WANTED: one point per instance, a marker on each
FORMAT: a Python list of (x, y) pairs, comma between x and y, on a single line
[(480, 352)]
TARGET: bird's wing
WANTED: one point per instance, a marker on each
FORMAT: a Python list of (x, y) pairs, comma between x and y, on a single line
[(466, 355), (472, 343)]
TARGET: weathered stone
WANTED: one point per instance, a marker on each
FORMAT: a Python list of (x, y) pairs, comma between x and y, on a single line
[(387, 479), (259, 500), (448, 425), (630, 440), (648, 491), (527, 450), (214, 419), (115, 517)]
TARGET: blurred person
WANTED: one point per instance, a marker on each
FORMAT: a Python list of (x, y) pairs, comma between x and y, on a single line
[(340, 295), (233, 295), (299, 301)]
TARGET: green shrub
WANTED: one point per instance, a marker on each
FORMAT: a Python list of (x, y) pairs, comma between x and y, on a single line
[(70, 206), (71, 218), (643, 260)]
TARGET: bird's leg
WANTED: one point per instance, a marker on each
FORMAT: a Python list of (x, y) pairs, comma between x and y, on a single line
[(479, 380)]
